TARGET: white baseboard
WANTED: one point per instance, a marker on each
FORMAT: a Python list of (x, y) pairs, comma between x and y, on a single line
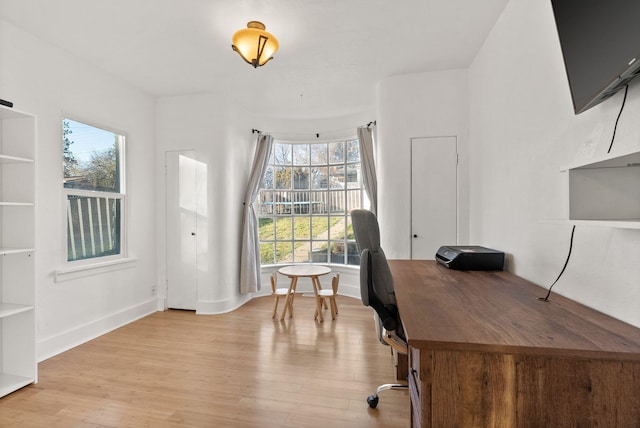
[(210, 307), (59, 343)]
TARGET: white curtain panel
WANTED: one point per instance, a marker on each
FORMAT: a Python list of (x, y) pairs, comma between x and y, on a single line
[(250, 256), (369, 178)]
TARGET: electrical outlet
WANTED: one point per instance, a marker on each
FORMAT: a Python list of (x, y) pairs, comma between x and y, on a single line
[(153, 290)]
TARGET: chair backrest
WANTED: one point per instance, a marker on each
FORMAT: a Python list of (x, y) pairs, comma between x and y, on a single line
[(366, 230), (274, 281), (335, 282), (376, 281)]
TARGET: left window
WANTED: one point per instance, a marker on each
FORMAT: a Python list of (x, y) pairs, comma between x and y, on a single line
[(94, 190)]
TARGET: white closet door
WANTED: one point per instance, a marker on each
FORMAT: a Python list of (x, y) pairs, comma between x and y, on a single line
[(434, 195), (182, 216)]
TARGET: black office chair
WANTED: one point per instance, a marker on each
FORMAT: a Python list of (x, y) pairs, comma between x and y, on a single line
[(376, 290)]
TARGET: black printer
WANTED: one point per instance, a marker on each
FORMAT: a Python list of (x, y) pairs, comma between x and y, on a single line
[(470, 257)]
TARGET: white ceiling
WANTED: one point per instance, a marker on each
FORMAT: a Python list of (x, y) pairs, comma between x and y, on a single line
[(332, 52)]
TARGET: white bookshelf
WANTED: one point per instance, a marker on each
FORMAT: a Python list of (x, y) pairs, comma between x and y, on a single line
[(18, 364), (606, 191)]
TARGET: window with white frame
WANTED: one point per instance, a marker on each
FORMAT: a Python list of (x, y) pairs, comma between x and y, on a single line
[(93, 164), (305, 201)]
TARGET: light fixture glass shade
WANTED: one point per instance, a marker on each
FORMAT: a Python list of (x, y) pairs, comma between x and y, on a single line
[(255, 45)]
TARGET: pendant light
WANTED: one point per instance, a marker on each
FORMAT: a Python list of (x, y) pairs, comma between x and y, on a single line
[(254, 44)]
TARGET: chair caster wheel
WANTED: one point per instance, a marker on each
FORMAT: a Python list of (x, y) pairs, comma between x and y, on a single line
[(372, 400)]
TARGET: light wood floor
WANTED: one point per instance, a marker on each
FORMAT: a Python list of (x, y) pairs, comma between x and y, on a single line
[(241, 369)]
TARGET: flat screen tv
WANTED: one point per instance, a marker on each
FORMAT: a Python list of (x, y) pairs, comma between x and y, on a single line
[(600, 42)]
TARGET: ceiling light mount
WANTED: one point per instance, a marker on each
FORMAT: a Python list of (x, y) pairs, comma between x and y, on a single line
[(255, 45)]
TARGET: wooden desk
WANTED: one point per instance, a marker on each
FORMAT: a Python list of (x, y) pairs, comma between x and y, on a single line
[(485, 352), (303, 271)]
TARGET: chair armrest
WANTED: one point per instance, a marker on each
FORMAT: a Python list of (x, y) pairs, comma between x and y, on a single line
[(392, 339)]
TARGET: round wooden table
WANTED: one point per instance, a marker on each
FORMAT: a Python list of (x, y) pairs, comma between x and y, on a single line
[(303, 271)]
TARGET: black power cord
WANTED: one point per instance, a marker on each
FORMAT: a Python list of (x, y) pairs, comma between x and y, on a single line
[(546, 298), (613, 137)]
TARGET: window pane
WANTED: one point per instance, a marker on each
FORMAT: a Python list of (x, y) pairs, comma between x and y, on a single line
[(264, 204), (282, 203), (91, 157), (301, 253), (268, 178), (353, 151), (301, 154), (282, 154), (300, 203), (93, 227), (353, 255), (302, 228), (353, 176), (283, 229), (318, 202), (336, 178), (319, 252), (265, 229), (319, 154), (320, 178), (336, 202), (301, 178), (353, 258), (336, 152), (353, 200), (350, 235), (319, 226), (284, 252), (267, 253), (283, 177), (337, 252), (336, 231)]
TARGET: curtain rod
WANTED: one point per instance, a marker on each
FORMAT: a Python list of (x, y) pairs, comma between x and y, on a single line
[(317, 134)]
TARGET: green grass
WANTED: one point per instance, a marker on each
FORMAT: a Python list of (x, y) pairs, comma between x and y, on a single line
[(302, 229)]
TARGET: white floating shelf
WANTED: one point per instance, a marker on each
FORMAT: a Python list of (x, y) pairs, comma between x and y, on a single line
[(605, 191)]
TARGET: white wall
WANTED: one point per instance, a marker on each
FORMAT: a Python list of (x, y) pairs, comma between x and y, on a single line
[(47, 81), (431, 104), (522, 132)]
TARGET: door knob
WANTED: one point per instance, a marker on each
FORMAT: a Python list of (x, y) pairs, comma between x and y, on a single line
[(415, 236), (193, 234)]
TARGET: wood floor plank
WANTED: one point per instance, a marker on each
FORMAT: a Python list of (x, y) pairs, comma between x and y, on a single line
[(241, 369)]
